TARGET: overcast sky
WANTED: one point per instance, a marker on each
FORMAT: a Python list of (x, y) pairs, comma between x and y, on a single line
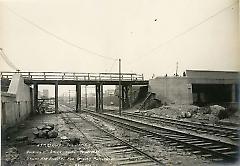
[(150, 36)]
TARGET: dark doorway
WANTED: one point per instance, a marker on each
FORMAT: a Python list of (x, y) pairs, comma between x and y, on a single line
[(205, 94)]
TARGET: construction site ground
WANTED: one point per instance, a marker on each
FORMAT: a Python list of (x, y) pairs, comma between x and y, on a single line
[(17, 150), (47, 151)]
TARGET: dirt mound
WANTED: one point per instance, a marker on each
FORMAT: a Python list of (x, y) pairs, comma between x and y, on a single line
[(218, 111), (211, 114), (175, 111)]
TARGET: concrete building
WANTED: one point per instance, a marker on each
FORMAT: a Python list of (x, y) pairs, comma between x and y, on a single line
[(198, 87)]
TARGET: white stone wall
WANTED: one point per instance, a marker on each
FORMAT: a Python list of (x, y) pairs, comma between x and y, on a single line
[(172, 90), (16, 103)]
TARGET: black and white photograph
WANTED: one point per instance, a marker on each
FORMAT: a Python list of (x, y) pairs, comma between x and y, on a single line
[(120, 82)]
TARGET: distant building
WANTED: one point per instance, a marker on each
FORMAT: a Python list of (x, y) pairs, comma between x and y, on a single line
[(198, 87), (109, 92), (45, 93)]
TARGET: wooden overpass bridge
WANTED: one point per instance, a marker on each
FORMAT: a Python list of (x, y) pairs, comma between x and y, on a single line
[(125, 80)]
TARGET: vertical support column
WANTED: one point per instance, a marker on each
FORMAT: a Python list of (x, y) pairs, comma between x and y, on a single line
[(56, 97), (78, 97), (86, 96), (130, 96), (233, 92), (101, 97), (123, 97), (120, 99), (97, 98), (120, 88), (127, 97), (31, 101), (35, 97)]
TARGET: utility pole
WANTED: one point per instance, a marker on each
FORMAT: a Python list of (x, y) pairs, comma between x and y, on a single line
[(86, 95), (177, 69), (120, 89)]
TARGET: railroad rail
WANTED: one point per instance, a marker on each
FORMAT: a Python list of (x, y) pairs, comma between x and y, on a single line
[(114, 146), (210, 148), (75, 76), (222, 131)]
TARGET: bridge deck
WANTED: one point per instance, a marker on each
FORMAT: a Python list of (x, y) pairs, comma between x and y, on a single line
[(68, 78)]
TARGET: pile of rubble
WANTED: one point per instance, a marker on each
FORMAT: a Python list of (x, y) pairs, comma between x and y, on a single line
[(219, 111), (72, 140), (11, 155), (212, 114), (45, 131)]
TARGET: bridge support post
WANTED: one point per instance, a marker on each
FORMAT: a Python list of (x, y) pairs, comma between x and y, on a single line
[(56, 97), (130, 96), (35, 97), (101, 97), (125, 97), (120, 98), (78, 97), (97, 97)]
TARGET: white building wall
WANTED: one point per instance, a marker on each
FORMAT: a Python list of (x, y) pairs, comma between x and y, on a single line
[(16, 103), (172, 90)]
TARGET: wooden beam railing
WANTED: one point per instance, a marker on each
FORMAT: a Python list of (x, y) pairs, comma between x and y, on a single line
[(75, 76)]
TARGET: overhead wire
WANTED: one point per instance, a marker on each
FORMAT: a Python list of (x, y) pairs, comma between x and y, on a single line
[(114, 62), (184, 32), (110, 58), (7, 60), (58, 37)]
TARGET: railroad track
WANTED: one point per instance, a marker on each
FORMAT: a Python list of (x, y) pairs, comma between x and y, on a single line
[(214, 149), (221, 131), (119, 151)]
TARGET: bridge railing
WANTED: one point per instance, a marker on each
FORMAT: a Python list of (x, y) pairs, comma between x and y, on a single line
[(75, 76)]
